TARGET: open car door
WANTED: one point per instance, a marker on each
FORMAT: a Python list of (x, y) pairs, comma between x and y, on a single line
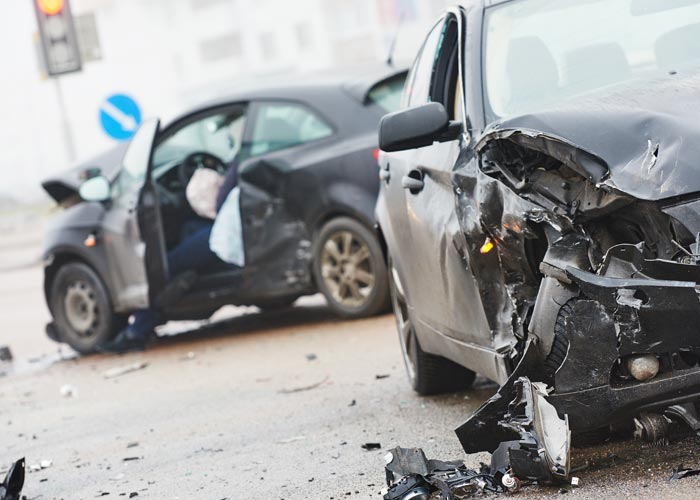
[(133, 232)]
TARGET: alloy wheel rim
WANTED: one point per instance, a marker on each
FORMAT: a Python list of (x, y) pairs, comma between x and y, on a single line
[(347, 269), (403, 323), (82, 311)]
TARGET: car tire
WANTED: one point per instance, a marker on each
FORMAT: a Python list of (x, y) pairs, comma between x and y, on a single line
[(82, 308), (349, 269), (428, 374)]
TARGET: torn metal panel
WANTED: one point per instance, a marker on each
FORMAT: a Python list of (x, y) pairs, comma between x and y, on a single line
[(643, 131)]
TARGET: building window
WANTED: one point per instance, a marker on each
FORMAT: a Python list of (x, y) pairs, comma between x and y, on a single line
[(88, 40), (220, 48)]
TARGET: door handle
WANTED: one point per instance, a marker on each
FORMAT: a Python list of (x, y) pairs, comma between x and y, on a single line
[(413, 181), (384, 175)]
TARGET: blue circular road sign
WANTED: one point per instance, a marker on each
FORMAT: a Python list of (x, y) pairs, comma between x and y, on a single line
[(120, 116)]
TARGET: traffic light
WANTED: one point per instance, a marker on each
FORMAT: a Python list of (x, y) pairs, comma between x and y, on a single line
[(57, 33)]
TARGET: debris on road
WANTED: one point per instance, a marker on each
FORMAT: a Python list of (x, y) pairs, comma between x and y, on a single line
[(69, 391), (123, 370), (44, 464), (528, 441), (130, 459), (371, 446), (353, 403), (133, 444), (382, 376), (5, 353), (681, 473), (189, 356), (291, 440), (11, 487), (311, 357), (304, 387), (410, 475)]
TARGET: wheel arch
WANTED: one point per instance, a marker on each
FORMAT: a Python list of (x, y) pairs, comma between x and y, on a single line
[(55, 260)]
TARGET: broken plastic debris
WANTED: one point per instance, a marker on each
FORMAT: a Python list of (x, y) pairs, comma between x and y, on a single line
[(682, 472), (188, 357), (123, 370), (44, 464), (410, 475), (5, 353), (291, 440), (304, 387), (68, 391), (371, 446), (11, 487)]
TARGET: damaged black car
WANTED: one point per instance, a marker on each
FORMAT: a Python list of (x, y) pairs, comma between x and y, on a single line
[(306, 155), (540, 206)]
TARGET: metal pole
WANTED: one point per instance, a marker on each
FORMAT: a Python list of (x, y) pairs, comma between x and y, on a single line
[(67, 131)]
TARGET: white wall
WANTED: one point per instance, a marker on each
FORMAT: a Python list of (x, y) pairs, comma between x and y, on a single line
[(155, 51)]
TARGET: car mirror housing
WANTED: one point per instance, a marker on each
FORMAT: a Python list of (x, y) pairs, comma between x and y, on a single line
[(95, 189), (417, 127)]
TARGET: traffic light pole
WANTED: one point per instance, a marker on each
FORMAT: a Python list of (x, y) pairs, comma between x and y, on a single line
[(66, 129)]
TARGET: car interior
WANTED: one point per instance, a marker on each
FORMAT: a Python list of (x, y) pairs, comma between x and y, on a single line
[(206, 141)]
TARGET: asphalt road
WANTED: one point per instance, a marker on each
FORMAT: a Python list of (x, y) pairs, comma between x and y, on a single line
[(253, 406)]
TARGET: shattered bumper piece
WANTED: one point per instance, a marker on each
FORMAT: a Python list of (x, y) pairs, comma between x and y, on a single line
[(411, 476), (542, 451), (521, 428), (11, 487)]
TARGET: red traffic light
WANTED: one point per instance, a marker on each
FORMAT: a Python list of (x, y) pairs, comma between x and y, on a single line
[(50, 7)]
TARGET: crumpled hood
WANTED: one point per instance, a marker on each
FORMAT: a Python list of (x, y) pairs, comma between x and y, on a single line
[(66, 184), (647, 133)]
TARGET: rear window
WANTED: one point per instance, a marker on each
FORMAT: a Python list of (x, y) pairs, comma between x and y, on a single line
[(387, 93)]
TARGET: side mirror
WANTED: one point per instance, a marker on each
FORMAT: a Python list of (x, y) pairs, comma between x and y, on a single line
[(417, 127), (95, 189)]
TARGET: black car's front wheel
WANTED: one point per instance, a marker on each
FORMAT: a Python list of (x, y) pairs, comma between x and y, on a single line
[(82, 308), (428, 374), (349, 269)]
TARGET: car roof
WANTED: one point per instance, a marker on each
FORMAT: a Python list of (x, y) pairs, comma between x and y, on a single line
[(356, 83)]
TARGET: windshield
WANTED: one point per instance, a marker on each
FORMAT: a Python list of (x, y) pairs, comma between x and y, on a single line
[(537, 52)]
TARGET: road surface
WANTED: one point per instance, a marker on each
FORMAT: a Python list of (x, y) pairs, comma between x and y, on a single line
[(251, 406)]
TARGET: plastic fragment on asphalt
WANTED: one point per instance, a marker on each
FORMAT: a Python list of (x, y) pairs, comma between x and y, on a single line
[(291, 440), (304, 387), (371, 446), (5, 353), (11, 487), (682, 472), (575, 481), (68, 391), (123, 370)]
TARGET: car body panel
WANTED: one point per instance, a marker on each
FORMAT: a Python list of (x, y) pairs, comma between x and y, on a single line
[(590, 208), (285, 196)]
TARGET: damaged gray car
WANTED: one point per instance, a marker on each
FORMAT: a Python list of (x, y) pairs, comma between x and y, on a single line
[(540, 207)]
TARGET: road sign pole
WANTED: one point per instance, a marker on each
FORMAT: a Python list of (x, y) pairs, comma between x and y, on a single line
[(66, 128)]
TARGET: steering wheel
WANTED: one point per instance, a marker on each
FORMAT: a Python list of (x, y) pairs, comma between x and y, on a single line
[(197, 160)]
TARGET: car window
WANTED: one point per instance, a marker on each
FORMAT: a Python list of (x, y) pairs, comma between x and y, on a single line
[(387, 94), (417, 92), (445, 72), (220, 134), (281, 125), (537, 52)]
